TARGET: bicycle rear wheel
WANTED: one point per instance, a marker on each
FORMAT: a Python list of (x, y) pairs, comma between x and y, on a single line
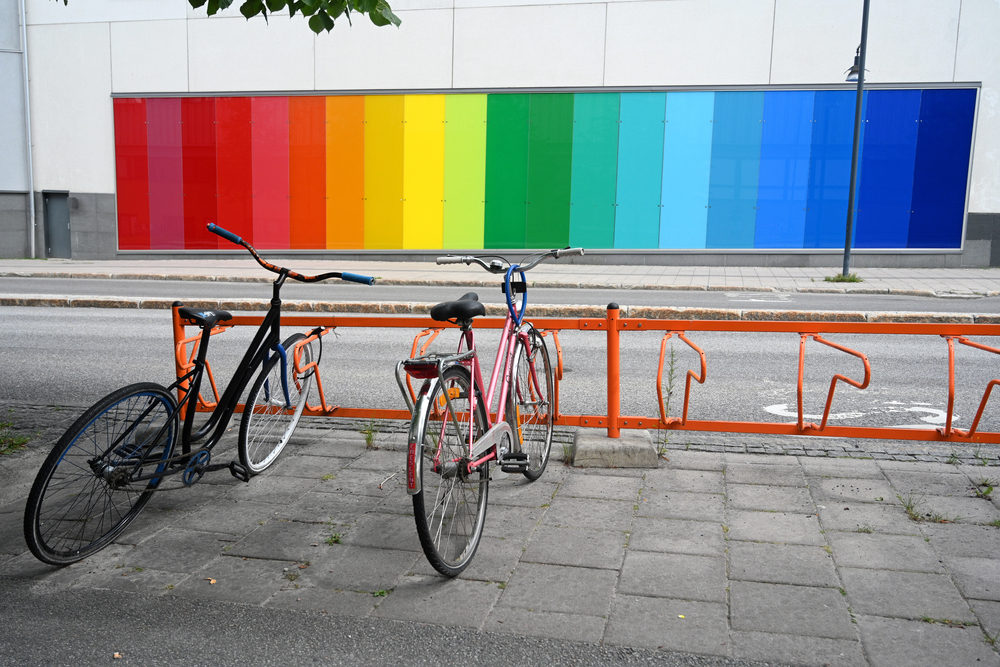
[(83, 496), (451, 505), (268, 422), (529, 407)]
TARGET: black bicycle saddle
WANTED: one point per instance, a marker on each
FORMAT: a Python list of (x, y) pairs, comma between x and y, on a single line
[(204, 317), (464, 309)]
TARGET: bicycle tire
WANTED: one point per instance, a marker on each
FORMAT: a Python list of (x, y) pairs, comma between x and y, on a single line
[(529, 405), (450, 507), (267, 424), (74, 509)]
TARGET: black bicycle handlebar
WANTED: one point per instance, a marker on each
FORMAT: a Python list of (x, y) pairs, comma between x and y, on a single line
[(496, 267), (233, 238)]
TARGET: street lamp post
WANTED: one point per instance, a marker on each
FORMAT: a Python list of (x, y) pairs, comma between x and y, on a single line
[(858, 70)]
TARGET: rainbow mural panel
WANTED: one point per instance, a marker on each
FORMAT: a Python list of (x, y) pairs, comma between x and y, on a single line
[(751, 170)]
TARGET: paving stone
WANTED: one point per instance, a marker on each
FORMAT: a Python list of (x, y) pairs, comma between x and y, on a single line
[(695, 460), (799, 610), (956, 539), (362, 569), (604, 487), (557, 588), (698, 538), (796, 649), (272, 489), (613, 515), (781, 564), (281, 539), (324, 600), (878, 517), (230, 579), (533, 623), (853, 490), (577, 547), (308, 467), (757, 459), (358, 482), (752, 473), (439, 600), (495, 560), (229, 516), (884, 552), (679, 479), (669, 625), (930, 483), (681, 505), (189, 498), (770, 498), (891, 642), (904, 594), (956, 509), (179, 550), (12, 534), (977, 578), (785, 527), (842, 467), (519, 491), (335, 508), (512, 522), (387, 531), (381, 460), (988, 612), (678, 576)]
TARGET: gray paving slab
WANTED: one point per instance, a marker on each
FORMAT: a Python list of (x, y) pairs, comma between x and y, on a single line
[(755, 473), (955, 539), (361, 569), (797, 650), (904, 595), (799, 610), (865, 517), (681, 505), (557, 588), (988, 613), (695, 460), (232, 579), (956, 509), (280, 539), (976, 578), (178, 550), (781, 564), (613, 515), (434, 599), (884, 552), (604, 487), (930, 483), (853, 490), (680, 479), (680, 576), (697, 538), (842, 467), (769, 498), (784, 527), (535, 623), (670, 625), (323, 600), (577, 547), (892, 642)]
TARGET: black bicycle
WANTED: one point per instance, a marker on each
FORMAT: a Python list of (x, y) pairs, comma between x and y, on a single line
[(108, 464)]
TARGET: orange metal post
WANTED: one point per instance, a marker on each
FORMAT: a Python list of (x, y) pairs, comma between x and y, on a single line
[(178, 338), (614, 381)]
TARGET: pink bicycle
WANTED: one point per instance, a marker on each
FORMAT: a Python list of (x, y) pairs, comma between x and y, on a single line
[(453, 438)]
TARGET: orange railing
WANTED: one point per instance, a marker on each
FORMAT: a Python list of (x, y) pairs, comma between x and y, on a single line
[(613, 326)]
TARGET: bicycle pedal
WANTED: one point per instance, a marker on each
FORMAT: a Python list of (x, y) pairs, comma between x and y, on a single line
[(514, 462), (239, 471)]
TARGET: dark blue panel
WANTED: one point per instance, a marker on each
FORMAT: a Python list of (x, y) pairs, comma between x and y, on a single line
[(732, 189), (784, 169), (942, 168), (886, 184), (829, 168)]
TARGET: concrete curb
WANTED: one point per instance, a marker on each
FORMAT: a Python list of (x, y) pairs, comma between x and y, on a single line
[(498, 310)]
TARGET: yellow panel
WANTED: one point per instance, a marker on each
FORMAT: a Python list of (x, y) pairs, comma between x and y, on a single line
[(383, 172), (423, 171)]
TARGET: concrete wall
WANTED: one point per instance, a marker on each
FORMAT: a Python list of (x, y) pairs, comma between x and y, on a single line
[(14, 226), (79, 55)]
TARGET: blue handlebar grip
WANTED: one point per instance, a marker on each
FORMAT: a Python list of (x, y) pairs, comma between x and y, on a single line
[(356, 278), (229, 236)]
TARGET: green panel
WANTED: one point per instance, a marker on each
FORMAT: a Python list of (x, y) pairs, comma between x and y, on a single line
[(550, 165), (595, 170), (506, 170), (464, 171)]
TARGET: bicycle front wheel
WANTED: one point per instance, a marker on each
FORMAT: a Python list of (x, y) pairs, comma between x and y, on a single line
[(84, 494), (529, 406), (268, 419), (451, 505)]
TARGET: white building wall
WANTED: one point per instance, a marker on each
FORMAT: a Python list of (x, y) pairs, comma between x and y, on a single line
[(82, 53)]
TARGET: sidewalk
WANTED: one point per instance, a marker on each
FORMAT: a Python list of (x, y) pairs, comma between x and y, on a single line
[(563, 273), (785, 559)]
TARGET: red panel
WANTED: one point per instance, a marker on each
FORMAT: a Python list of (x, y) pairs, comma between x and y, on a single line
[(270, 171), (233, 141), (166, 173), (307, 167), (132, 166), (200, 206), (345, 162)]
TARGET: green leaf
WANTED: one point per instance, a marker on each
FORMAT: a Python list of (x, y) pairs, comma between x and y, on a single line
[(316, 23), (327, 21), (336, 7), (384, 12), (276, 5), (197, 3), (365, 6), (251, 8)]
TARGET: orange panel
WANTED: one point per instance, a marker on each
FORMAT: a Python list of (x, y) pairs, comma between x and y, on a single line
[(345, 172), (307, 170)]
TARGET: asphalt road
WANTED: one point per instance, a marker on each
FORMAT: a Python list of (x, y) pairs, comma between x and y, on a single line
[(68, 356)]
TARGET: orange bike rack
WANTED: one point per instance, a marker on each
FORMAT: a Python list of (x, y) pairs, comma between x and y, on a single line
[(613, 325)]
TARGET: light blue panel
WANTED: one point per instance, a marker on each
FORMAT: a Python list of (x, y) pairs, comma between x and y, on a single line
[(732, 198), (640, 168), (783, 182), (886, 184), (687, 162)]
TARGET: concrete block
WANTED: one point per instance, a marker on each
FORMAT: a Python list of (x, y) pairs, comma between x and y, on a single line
[(904, 595), (633, 449), (891, 641), (799, 610), (791, 564)]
